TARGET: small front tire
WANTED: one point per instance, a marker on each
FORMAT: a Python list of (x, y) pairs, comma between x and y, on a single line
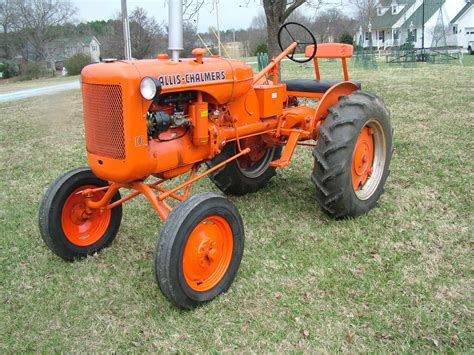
[(198, 250), (65, 226)]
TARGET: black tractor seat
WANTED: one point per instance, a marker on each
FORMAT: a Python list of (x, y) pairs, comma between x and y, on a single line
[(313, 86)]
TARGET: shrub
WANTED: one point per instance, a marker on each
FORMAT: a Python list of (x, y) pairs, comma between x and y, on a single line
[(346, 37), (9, 69), (76, 63), (408, 45), (262, 47), (30, 71)]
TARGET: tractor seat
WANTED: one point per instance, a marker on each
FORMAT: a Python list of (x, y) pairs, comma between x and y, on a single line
[(313, 86)]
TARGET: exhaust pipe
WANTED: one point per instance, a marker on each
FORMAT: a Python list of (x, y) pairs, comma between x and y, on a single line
[(175, 28)]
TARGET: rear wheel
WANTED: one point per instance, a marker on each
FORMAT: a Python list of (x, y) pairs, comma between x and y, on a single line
[(248, 173), (198, 250), (352, 155), (66, 227)]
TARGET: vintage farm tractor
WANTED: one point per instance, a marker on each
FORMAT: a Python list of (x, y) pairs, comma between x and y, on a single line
[(150, 121)]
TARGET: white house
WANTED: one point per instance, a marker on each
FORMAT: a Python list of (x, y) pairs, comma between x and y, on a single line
[(61, 49), (88, 45), (396, 20), (461, 29)]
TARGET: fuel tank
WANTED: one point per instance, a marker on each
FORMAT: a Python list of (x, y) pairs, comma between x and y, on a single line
[(118, 147)]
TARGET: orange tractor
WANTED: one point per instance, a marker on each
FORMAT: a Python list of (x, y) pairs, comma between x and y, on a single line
[(150, 121)]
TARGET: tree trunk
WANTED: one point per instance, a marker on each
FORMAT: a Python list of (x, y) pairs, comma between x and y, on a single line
[(272, 33), (276, 12)]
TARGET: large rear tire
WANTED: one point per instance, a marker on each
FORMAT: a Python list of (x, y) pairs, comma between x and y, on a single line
[(198, 250), (66, 227), (352, 155), (248, 173)]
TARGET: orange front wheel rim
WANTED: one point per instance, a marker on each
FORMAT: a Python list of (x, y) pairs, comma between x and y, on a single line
[(83, 227), (363, 158), (208, 253)]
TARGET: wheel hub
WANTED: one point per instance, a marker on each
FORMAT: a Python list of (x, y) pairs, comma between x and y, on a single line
[(257, 147), (363, 158), (79, 213), (81, 226), (207, 253)]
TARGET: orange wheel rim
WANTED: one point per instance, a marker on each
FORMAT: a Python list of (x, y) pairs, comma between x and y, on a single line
[(363, 158), (83, 228), (208, 253)]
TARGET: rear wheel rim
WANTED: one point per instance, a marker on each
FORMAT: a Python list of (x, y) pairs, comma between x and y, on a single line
[(256, 162), (368, 160), (207, 253), (80, 227)]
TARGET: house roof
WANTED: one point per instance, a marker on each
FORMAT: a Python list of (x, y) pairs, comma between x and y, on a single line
[(387, 20), (87, 39), (59, 58), (430, 8), (462, 12)]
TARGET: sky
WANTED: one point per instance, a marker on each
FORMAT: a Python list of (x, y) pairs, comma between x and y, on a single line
[(232, 14)]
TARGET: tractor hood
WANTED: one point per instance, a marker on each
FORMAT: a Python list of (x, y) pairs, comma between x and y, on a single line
[(223, 79)]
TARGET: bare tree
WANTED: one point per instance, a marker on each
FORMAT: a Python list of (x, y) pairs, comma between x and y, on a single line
[(365, 10), (38, 20), (328, 25), (277, 12), (8, 20), (112, 39), (146, 34)]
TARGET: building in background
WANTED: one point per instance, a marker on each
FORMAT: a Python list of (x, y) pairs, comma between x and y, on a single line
[(461, 27), (398, 20), (62, 49)]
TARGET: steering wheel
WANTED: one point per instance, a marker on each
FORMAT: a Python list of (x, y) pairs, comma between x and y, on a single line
[(292, 27)]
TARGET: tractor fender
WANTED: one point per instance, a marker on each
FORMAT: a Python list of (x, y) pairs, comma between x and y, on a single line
[(330, 98)]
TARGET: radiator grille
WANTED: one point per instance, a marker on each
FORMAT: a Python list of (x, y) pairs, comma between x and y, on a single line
[(103, 120)]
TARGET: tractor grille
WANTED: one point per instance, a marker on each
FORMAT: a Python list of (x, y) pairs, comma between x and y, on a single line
[(103, 120)]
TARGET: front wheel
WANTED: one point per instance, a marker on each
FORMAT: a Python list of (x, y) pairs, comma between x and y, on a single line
[(66, 227), (352, 155), (198, 250)]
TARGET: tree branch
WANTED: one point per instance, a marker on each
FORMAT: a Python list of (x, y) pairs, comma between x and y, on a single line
[(291, 8)]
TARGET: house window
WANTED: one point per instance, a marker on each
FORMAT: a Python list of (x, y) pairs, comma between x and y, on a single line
[(379, 11), (455, 29), (395, 35), (382, 36), (394, 10), (367, 36), (94, 48)]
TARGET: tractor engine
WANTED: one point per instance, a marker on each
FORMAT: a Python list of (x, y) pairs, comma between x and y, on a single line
[(171, 111)]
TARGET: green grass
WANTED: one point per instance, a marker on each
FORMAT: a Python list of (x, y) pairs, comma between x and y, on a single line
[(396, 280)]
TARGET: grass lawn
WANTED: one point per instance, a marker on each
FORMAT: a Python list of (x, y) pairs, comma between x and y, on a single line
[(396, 280)]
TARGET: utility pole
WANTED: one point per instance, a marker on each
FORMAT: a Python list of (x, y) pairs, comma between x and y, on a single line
[(216, 2), (126, 32), (423, 31)]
